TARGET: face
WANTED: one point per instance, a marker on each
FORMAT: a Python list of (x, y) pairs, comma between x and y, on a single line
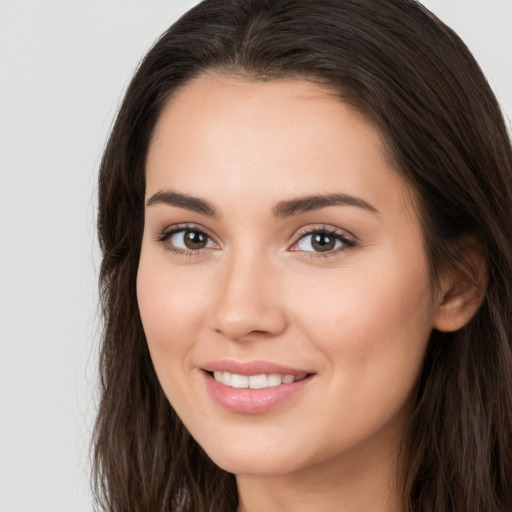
[(283, 286)]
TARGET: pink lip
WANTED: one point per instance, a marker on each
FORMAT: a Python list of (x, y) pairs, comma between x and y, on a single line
[(251, 367), (252, 401)]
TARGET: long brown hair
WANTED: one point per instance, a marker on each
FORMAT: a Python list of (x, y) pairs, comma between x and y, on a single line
[(416, 80)]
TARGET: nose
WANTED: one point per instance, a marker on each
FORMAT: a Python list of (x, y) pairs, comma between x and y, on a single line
[(247, 304)]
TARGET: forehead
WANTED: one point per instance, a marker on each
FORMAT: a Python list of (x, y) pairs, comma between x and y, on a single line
[(278, 138), (211, 106)]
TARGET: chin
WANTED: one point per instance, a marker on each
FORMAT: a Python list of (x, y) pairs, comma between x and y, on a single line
[(255, 460), (255, 466)]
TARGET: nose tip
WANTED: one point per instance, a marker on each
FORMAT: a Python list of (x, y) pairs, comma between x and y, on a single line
[(243, 327), (247, 306)]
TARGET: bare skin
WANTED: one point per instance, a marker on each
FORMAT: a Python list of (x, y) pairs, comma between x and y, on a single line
[(236, 266)]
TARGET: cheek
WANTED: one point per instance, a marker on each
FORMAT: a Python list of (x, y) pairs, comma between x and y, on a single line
[(373, 326), (171, 307), (366, 301)]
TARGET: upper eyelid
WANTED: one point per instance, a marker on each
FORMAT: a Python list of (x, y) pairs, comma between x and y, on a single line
[(176, 228), (307, 230)]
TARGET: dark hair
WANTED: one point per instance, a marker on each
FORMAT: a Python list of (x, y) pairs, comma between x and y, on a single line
[(415, 79)]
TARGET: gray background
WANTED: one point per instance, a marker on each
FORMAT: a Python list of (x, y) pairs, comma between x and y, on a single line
[(63, 68)]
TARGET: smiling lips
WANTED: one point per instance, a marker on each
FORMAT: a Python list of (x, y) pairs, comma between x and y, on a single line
[(260, 381), (253, 387)]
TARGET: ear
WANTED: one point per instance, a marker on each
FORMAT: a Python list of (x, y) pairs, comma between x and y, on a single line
[(462, 292)]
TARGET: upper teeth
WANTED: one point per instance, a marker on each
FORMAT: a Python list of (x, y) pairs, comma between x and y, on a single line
[(255, 381)]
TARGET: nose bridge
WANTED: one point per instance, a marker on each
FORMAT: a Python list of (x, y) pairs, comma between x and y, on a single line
[(247, 300)]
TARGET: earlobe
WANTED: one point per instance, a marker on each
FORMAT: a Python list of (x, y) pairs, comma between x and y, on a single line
[(463, 294)]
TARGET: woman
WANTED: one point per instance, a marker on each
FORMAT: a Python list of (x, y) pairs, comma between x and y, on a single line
[(304, 215)]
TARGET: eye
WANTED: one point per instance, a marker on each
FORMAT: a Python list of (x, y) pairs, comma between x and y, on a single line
[(322, 241), (186, 240)]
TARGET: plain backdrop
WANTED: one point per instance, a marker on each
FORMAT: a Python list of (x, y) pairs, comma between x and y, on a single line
[(63, 68)]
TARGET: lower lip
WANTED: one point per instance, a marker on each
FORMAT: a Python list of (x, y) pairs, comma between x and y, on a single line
[(253, 401)]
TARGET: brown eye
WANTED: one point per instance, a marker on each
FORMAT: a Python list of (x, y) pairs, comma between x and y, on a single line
[(194, 240), (187, 239), (322, 242)]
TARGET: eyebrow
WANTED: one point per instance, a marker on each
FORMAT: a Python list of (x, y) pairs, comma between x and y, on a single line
[(281, 210), (185, 201), (316, 202)]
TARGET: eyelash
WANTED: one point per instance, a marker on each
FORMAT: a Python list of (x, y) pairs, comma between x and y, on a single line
[(347, 242), (167, 233)]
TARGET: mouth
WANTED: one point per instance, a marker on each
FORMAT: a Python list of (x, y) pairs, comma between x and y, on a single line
[(254, 388)]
